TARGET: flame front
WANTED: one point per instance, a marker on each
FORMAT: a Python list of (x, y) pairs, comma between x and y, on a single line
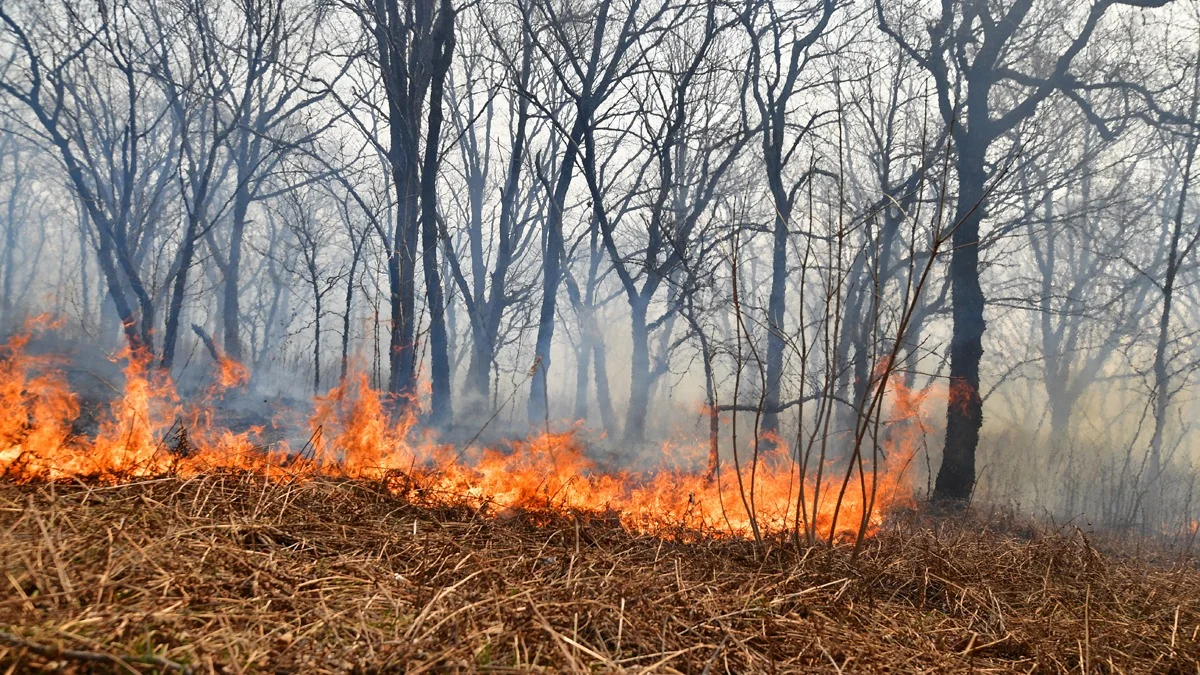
[(149, 431)]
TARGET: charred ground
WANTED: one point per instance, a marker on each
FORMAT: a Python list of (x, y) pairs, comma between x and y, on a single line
[(234, 573)]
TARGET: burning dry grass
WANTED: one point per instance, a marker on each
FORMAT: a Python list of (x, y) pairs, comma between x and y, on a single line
[(234, 573), (150, 430)]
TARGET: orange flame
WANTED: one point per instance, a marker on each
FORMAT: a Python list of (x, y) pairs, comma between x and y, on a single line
[(962, 396), (149, 431), (231, 374)]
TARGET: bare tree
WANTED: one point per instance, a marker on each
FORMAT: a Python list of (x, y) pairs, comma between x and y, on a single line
[(84, 93), (590, 67), (991, 67), (782, 42), (689, 160)]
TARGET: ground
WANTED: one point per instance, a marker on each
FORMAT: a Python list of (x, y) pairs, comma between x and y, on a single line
[(237, 574)]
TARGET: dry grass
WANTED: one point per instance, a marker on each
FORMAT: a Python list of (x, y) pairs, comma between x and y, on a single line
[(234, 574)]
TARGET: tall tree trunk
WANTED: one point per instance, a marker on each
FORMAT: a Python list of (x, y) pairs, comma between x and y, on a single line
[(316, 335), (552, 275), (350, 279), (116, 293), (231, 312), (964, 410), (583, 359), (480, 365), (171, 329), (1162, 377), (851, 350), (608, 416), (10, 241), (443, 43), (776, 308), (639, 375), (394, 37), (402, 282)]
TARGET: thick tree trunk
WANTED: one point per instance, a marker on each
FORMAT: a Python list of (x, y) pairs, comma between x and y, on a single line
[(187, 253), (639, 376), (350, 279), (397, 42), (10, 243), (480, 365), (608, 417), (116, 293), (317, 338), (1162, 376), (402, 284), (964, 411), (776, 308), (583, 359), (1060, 419), (231, 312), (552, 276), (443, 42)]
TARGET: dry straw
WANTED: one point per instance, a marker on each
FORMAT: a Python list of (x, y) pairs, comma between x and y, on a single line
[(231, 573)]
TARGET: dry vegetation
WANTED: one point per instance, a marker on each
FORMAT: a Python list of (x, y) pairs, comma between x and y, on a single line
[(234, 574)]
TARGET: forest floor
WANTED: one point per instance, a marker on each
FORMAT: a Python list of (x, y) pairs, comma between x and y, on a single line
[(237, 574)]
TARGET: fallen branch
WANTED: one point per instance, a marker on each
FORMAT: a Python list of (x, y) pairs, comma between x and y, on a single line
[(52, 652), (745, 407), (208, 342)]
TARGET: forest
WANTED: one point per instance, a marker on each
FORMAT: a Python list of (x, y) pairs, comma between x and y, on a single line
[(767, 273)]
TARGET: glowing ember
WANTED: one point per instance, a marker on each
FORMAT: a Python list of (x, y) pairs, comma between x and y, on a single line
[(149, 431)]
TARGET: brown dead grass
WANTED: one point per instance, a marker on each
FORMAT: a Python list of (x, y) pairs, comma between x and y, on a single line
[(235, 574)]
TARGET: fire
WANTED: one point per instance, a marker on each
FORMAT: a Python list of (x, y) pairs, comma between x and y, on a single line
[(149, 431), (231, 374), (962, 396)]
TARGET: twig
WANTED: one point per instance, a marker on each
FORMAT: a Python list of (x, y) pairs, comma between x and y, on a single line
[(713, 657)]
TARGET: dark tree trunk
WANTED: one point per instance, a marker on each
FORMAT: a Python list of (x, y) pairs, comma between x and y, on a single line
[(639, 374), (608, 416), (231, 312), (116, 292), (480, 365), (1162, 376), (187, 253), (964, 411), (776, 307), (443, 43), (583, 359), (10, 242), (317, 337), (397, 35), (403, 269), (552, 275), (350, 280)]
